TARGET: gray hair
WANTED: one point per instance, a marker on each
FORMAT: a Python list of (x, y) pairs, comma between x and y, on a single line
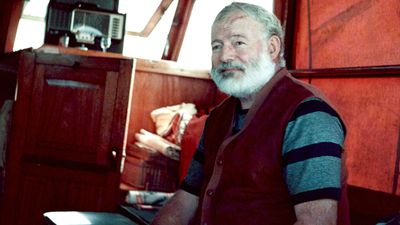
[(270, 22)]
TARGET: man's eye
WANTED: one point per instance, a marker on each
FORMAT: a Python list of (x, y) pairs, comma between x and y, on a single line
[(216, 47), (239, 43)]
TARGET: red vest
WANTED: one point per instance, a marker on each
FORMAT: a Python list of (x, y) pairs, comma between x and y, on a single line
[(243, 180)]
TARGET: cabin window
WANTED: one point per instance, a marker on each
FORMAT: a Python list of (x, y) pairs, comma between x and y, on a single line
[(195, 52), (140, 42), (31, 27)]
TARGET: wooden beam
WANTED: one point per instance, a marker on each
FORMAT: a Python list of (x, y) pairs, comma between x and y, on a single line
[(285, 10), (349, 72), (170, 68), (178, 29), (155, 18), (279, 8)]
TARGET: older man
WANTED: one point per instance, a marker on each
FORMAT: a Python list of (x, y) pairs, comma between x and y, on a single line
[(270, 153)]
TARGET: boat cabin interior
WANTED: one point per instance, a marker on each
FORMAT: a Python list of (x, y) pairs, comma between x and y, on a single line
[(102, 103)]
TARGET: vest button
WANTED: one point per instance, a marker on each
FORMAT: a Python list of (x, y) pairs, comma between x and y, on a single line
[(220, 162), (210, 193)]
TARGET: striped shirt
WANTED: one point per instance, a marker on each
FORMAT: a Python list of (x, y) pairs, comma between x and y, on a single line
[(311, 153)]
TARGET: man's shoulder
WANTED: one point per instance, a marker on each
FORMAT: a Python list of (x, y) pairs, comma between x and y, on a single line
[(313, 104), (316, 110)]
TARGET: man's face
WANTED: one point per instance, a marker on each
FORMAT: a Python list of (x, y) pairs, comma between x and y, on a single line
[(241, 64)]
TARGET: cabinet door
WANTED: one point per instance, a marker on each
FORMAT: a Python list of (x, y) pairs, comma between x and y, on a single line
[(69, 133)]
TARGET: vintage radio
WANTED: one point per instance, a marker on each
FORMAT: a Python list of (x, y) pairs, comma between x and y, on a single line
[(85, 25)]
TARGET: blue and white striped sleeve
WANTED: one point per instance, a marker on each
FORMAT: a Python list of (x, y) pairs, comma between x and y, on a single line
[(311, 152)]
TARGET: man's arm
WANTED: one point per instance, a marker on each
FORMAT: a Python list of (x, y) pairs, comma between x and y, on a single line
[(318, 212), (312, 161), (179, 210)]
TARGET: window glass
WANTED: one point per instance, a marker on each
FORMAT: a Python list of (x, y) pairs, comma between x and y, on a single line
[(138, 14), (195, 52), (196, 47), (31, 27), (35, 8)]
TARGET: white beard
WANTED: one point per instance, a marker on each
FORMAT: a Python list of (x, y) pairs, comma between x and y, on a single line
[(254, 78)]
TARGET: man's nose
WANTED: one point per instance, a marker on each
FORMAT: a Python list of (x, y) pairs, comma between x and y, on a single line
[(227, 53)]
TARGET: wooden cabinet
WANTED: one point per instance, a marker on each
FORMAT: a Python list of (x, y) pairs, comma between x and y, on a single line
[(68, 134)]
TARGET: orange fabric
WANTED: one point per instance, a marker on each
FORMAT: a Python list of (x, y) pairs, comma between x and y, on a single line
[(172, 132)]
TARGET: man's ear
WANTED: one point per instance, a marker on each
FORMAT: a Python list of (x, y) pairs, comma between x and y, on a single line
[(274, 47)]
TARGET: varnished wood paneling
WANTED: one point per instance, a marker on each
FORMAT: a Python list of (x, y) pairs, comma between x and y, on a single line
[(369, 207), (56, 49), (64, 100), (154, 90), (79, 61), (45, 188), (67, 120), (349, 72), (347, 33), (169, 68), (370, 108), (368, 98)]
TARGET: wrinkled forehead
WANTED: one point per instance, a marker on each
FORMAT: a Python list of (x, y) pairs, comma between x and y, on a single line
[(230, 20), (236, 22)]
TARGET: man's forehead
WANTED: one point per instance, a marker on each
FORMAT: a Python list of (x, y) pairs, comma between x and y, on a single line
[(235, 17), (236, 23)]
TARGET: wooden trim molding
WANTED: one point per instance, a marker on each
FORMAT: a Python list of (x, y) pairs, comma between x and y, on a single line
[(56, 49), (373, 71), (178, 30), (155, 18), (169, 68), (155, 66), (285, 10)]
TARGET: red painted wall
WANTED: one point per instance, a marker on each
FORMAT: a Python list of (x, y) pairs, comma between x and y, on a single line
[(346, 33), (357, 33)]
